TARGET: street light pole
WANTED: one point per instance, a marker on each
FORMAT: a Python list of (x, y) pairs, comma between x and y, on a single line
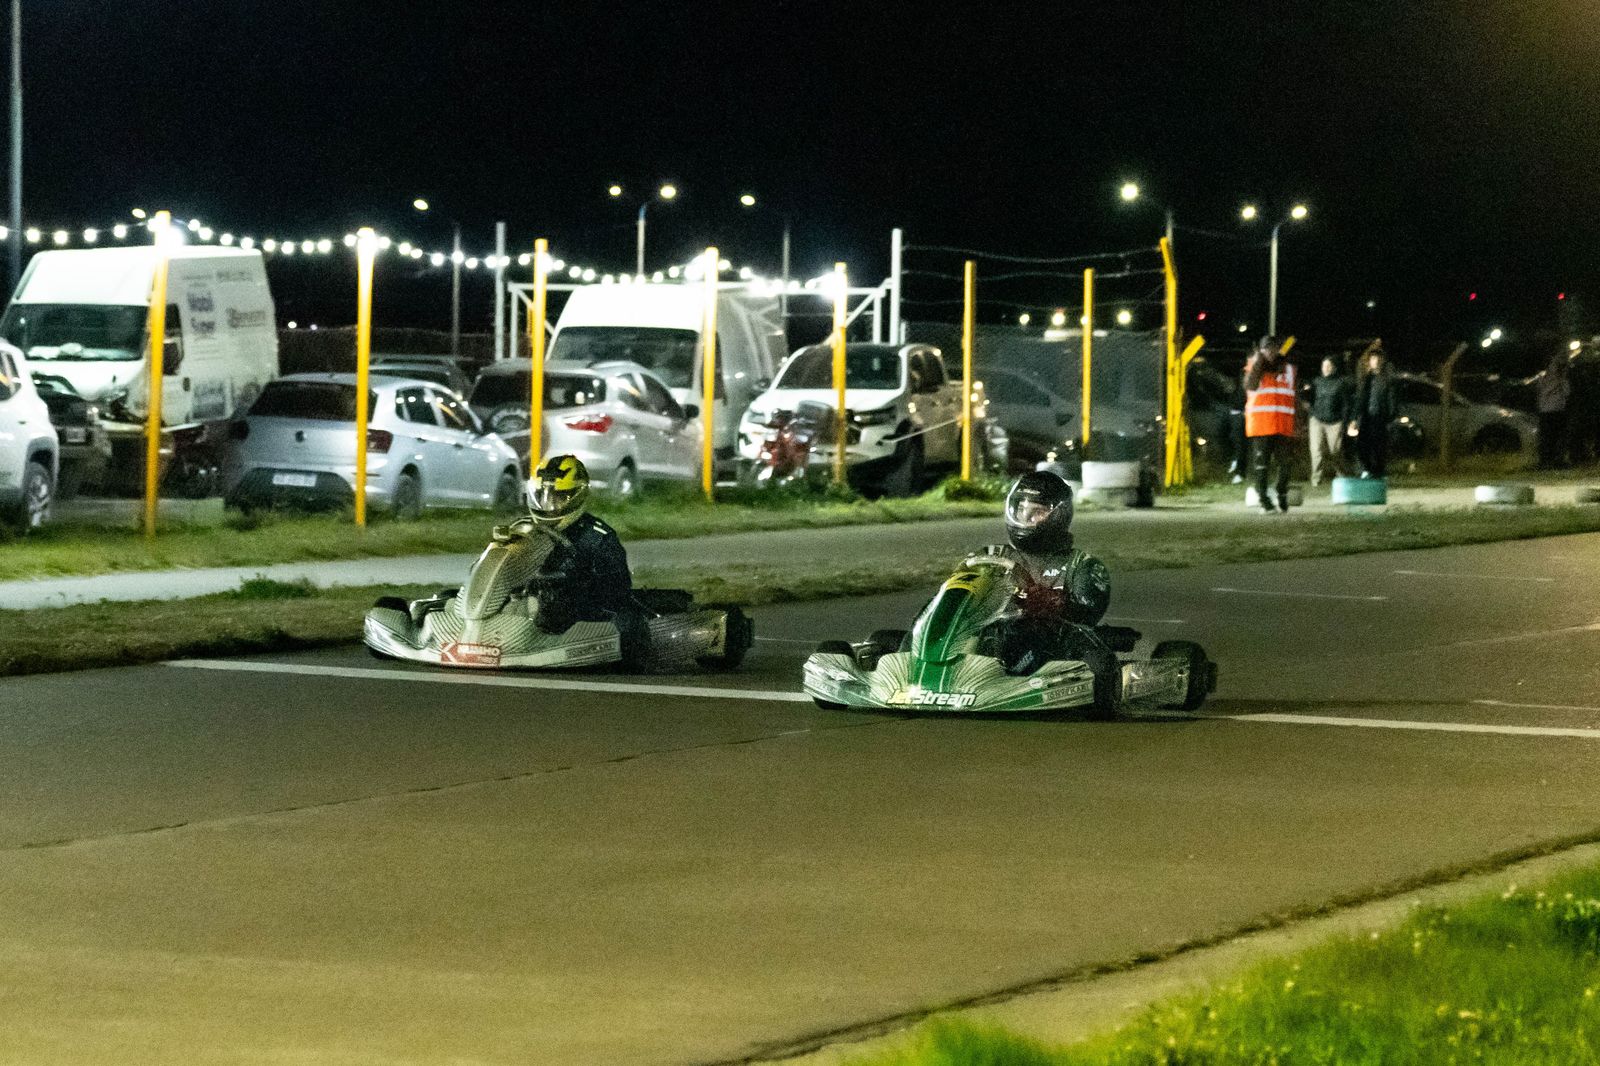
[(639, 262), (16, 141), (455, 293), (1272, 284), (783, 295)]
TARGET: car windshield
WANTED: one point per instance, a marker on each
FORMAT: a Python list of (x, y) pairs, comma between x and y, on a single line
[(76, 332), (434, 374), (864, 368), (317, 401), (560, 390), (668, 352)]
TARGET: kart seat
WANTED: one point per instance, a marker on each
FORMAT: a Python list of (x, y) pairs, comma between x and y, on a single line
[(1118, 638)]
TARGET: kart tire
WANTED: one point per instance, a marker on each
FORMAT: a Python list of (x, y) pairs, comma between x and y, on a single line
[(740, 635), (832, 647), (1202, 672), (393, 603), (1107, 695), (884, 641)]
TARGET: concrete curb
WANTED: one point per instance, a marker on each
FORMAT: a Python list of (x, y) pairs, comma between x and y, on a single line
[(1079, 1008)]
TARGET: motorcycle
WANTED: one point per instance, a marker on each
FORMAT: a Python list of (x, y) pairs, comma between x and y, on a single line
[(786, 446), (952, 660), (493, 621)]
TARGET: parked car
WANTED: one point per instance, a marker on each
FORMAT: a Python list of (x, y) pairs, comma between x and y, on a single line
[(85, 448), (1475, 425), (1044, 426), (619, 418), (904, 412), (439, 369), (425, 448), (28, 447)]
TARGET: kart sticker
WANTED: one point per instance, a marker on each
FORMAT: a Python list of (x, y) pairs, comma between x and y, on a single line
[(917, 697), (464, 653)]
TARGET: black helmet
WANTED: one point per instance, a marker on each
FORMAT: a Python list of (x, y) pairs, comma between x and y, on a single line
[(558, 490), (1039, 513)]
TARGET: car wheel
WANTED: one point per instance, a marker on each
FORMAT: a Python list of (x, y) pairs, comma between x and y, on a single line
[(1202, 672), (905, 478), (33, 509), (507, 492), (625, 482), (408, 496)]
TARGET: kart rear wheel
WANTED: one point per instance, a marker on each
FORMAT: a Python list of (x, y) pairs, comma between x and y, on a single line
[(1202, 672), (740, 634), (884, 641), (832, 647)]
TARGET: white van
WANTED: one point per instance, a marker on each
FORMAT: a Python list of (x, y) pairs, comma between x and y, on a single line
[(82, 315), (28, 448), (659, 327)]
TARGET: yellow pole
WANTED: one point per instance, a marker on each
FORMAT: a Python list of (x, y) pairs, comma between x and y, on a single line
[(160, 226), (366, 252), (1171, 273), (1088, 349), (1185, 451), (841, 305), (708, 380), (970, 278), (536, 318)]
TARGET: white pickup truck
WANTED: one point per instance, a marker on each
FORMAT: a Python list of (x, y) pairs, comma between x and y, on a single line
[(28, 449)]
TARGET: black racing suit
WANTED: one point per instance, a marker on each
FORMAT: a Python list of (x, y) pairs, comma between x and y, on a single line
[(587, 580), (1062, 597)]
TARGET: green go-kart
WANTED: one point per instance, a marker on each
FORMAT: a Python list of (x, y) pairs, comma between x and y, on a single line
[(951, 661)]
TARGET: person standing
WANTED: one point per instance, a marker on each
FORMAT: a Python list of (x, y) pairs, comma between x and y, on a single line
[(1269, 383), (1553, 391), (1376, 407), (1333, 398)]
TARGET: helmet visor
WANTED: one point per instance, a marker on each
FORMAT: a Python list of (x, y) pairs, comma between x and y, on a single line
[(546, 498), (1026, 512)]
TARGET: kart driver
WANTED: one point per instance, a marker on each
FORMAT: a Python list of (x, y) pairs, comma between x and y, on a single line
[(1062, 592), (587, 579)]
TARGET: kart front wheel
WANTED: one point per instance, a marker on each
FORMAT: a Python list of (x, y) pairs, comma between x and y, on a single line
[(739, 635), (1202, 672)]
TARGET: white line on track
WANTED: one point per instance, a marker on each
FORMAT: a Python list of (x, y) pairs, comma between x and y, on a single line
[(1536, 706), (1146, 621), (788, 640), (1474, 577), (1390, 723), (567, 684), (1301, 595)]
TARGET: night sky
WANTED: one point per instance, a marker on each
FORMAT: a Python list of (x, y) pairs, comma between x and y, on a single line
[(1443, 148)]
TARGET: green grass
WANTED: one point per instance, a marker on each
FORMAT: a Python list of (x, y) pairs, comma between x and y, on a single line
[(266, 615), (1512, 978), (68, 548)]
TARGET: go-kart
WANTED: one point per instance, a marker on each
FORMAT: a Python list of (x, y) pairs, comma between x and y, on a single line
[(953, 660), (493, 621)]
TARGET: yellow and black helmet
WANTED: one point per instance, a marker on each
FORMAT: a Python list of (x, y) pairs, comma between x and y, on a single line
[(559, 489)]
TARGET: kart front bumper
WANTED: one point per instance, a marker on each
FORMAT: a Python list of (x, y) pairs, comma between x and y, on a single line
[(504, 641)]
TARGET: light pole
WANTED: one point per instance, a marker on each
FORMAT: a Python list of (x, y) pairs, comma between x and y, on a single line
[(668, 192), (1131, 193), (1297, 213), (748, 201), (456, 257), (16, 141)]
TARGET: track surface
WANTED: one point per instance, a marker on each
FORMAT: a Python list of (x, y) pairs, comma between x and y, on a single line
[(324, 859)]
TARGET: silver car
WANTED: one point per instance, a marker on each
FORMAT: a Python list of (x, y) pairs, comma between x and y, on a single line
[(425, 448), (618, 418)]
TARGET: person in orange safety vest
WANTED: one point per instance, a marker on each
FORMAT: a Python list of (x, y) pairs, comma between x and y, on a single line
[(1269, 407)]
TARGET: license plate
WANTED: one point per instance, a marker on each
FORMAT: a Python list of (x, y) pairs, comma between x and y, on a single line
[(295, 481), (74, 436)]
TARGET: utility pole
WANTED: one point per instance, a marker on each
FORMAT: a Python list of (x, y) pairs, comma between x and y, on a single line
[(16, 141), (455, 294), (499, 291)]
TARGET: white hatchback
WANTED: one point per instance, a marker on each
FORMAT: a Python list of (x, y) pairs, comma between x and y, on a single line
[(425, 448), (29, 449)]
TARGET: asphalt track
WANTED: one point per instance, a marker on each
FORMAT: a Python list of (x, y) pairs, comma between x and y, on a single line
[(326, 859)]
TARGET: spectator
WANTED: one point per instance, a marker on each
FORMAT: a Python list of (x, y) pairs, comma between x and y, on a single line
[(1237, 442), (1333, 397), (1553, 390), (1376, 407), (1269, 419), (1583, 409)]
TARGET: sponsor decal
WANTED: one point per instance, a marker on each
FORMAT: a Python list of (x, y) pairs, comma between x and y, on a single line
[(465, 653), (916, 696), (202, 327), (246, 319), (200, 302), (579, 651), (234, 276)]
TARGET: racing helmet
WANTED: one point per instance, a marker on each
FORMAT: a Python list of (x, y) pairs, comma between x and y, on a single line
[(1039, 513), (559, 489)]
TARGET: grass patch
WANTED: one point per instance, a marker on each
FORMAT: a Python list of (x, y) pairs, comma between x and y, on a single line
[(68, 548), (265, 615), (1512, 978)]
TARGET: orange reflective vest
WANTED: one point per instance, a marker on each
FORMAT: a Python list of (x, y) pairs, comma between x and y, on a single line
[(1269, 408)]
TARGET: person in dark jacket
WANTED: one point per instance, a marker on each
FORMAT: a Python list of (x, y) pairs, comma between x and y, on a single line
[(1376, 406), (587, 577), (1553, 392), (1333, 401)]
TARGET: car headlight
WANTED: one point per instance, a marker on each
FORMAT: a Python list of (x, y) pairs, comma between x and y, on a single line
[(881, 417)]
